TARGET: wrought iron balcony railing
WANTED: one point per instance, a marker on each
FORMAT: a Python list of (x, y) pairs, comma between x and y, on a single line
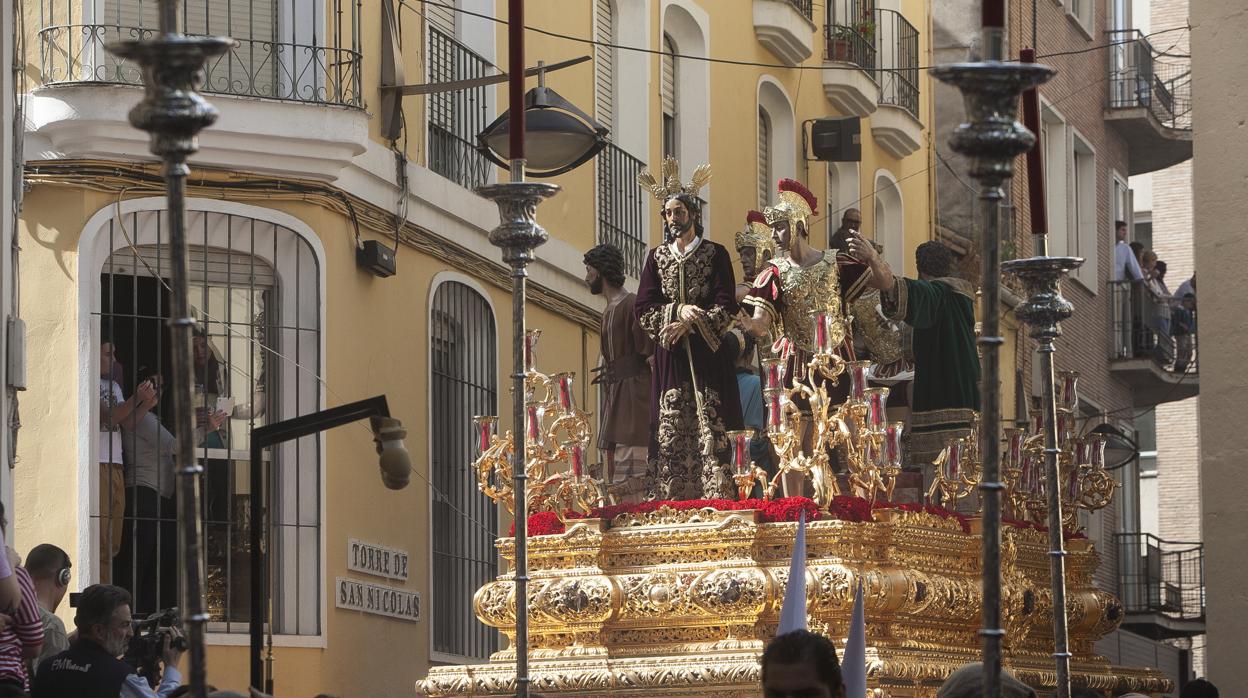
[(898, 55), (297, 50), (621, 206), (806, 7), (1162, 577), (1147, 325), (1141, 76), (455, 118), (850, 33)]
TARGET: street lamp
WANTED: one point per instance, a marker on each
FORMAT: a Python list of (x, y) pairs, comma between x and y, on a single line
[(558, 137)]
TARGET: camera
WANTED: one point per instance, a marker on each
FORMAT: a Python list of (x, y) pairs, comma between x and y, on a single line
[(148, 643)]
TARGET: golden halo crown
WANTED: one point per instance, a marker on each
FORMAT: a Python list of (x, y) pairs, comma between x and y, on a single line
[(670, 184)]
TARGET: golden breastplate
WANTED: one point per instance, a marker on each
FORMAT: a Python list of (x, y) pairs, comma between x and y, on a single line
[(806, 292)]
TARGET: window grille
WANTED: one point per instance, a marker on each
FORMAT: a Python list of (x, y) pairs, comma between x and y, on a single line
[(463, 384), (255, 292), (456, 117)]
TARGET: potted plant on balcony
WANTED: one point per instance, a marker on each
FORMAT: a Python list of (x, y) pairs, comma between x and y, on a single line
[(849, 44)]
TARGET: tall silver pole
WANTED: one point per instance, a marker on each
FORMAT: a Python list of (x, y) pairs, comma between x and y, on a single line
[(1043, 310), (173, 113), (992, 139)]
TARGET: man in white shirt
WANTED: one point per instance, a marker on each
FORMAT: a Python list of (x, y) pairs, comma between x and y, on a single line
[(1126, 268)]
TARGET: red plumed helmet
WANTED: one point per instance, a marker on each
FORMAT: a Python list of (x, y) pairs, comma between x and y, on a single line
[(755, 217), (800, 189)]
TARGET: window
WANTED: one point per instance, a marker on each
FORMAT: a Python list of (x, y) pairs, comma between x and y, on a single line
[(1081, 12), (1056, 152), (255, 291), (456, 117), (463, 383), (1085, 212), (668, 97), (764, 158), (604, 63), (889, 220)]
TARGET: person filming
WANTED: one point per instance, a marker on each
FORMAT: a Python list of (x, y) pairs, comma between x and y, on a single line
[(90, 668)]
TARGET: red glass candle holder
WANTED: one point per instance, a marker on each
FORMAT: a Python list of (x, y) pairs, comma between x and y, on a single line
[(877, 407), (567, 400), (530, 350), (857, 378), (894, 432), (486, 427)]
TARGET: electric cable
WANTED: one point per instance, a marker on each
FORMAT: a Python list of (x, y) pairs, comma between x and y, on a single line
[(737, 62)]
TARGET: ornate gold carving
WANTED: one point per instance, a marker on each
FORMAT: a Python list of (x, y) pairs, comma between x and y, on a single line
[(681, 603)]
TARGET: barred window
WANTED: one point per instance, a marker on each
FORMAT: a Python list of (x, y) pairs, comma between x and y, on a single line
[(255, 291), (463, 383)]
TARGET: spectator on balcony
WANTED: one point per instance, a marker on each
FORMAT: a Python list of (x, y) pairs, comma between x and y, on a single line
[(1154, 274), (1126, 265), (624, 434), (1185, 288), (1183, 324)]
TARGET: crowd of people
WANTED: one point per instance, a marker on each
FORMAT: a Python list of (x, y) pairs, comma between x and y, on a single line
[(1162, 322)]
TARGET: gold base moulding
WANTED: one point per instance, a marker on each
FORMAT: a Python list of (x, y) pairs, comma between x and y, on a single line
[(682, 603)]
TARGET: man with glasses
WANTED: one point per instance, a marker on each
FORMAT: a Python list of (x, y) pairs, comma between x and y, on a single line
[(90, 668)]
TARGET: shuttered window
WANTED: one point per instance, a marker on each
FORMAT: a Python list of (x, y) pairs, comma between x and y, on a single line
[(441, 16), (668, 95), (604, 63), (244, 20), (764, 158)]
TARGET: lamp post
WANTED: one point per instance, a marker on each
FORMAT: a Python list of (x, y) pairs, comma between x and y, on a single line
[(396, 467), (173, 113), (992, 139), (517, 235), (558, 136)]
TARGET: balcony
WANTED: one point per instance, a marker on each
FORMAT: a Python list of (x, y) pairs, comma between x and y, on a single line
[(849, 57), (622, 206), (1150, 102), (785, 28), (266, 62), (290, 91), (455, 118), (895, 125), (1147, 351), (1162, 585)]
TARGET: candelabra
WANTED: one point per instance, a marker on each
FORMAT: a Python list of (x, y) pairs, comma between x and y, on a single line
[(556, 431), (1083, 481), (872, 445), (958, 469)]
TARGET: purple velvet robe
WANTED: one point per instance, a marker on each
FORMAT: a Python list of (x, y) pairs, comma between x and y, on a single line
[(701, 277)]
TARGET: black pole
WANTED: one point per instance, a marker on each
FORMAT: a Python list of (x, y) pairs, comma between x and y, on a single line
[(262, 438)]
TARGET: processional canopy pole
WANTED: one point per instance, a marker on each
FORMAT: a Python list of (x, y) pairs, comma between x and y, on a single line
[(991, 138), (174, 113)]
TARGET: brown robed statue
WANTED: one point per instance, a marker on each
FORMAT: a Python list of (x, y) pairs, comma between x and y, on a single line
[(624, 427)]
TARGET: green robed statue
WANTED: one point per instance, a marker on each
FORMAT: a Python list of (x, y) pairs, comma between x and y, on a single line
[(941, 309)]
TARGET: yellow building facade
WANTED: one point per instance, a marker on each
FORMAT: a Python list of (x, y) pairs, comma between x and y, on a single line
[(298, 171)]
